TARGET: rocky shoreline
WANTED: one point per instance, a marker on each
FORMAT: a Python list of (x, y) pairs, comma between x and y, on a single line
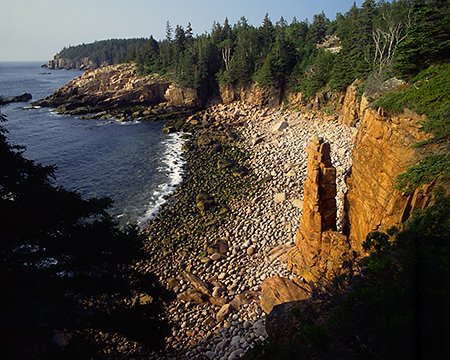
[(116, 91), (218, 313)]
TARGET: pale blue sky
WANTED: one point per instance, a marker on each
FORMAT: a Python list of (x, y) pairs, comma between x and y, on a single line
[(38, 29)]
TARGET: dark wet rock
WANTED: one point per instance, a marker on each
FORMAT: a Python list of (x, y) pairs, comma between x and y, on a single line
[(202, 196), (19, 98), (216, 149), (241, 171), (225, 163), (205, 204), (169, 129)]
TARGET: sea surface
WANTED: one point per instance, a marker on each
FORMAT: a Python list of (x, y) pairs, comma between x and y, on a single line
[(134, 163)]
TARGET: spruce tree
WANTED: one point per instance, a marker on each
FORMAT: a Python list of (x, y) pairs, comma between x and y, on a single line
[(427, 40)]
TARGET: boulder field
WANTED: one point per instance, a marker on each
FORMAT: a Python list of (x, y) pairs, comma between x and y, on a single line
[(224, 294), (291, 235)]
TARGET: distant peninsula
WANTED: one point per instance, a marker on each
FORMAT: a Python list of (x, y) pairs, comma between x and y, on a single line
[(96, 54)]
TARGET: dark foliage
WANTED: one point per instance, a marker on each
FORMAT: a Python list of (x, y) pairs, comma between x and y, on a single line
[(428, 39), (106, 52), (405, 284), (64, 265)]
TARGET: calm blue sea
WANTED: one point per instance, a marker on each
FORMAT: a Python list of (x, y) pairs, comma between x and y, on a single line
[(134, 163)]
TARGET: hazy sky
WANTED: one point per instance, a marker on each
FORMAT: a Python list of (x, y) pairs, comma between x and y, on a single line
[(38, 29)]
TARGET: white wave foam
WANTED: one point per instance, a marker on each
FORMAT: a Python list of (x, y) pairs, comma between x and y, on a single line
[(131, 122), (173, 160)]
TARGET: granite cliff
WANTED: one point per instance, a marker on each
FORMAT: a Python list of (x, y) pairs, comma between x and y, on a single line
[(61, 63), (118, 87), (382, 150)]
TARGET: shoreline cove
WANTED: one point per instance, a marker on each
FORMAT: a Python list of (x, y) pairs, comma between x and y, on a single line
[(96, 157), (218, 258)]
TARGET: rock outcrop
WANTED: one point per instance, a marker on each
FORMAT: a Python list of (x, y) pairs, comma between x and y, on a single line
[(350, 112), (119, 86), (252, 94), (382, 150), (19, 98), (59, 63), (278, 290), (321, 252), (330, 43), (182, 97)]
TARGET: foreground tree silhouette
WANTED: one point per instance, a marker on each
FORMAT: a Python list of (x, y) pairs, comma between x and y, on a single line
[(65, 268)]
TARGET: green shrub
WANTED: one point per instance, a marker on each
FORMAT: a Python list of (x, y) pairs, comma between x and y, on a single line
[(427, 94), (317, 335)]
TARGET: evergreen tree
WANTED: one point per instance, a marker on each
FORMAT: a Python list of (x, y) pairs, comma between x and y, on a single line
[(226, 30), (189, 33), (354, 61), (150, 59), (267, 30), (427, 40), (243, 23), (282, 23), (319, 74), (318, 29), (169, 32), (279, 63), (106, 52)]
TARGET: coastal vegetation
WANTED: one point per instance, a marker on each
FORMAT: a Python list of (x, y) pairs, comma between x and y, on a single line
[(305, 56), (302, 55), (105, 52)]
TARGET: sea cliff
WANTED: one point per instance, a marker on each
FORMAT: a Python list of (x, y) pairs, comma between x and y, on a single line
[(118, 91), (61, 63)]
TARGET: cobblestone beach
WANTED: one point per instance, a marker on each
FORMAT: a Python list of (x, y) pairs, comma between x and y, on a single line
[(252, 245)]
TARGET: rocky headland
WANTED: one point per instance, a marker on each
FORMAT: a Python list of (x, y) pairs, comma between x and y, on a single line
[(61, 63), (305, 183), (116, 91)]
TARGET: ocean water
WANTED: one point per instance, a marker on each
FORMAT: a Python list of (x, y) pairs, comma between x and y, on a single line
[(134, 163)]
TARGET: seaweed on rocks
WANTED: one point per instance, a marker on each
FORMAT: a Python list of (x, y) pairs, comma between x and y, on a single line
[(182, 222)]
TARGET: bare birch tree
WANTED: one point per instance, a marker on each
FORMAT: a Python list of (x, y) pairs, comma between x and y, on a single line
[(387, 37), (226, 46)]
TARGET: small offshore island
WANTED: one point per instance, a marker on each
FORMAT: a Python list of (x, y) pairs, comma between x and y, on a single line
[(312, 220)]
